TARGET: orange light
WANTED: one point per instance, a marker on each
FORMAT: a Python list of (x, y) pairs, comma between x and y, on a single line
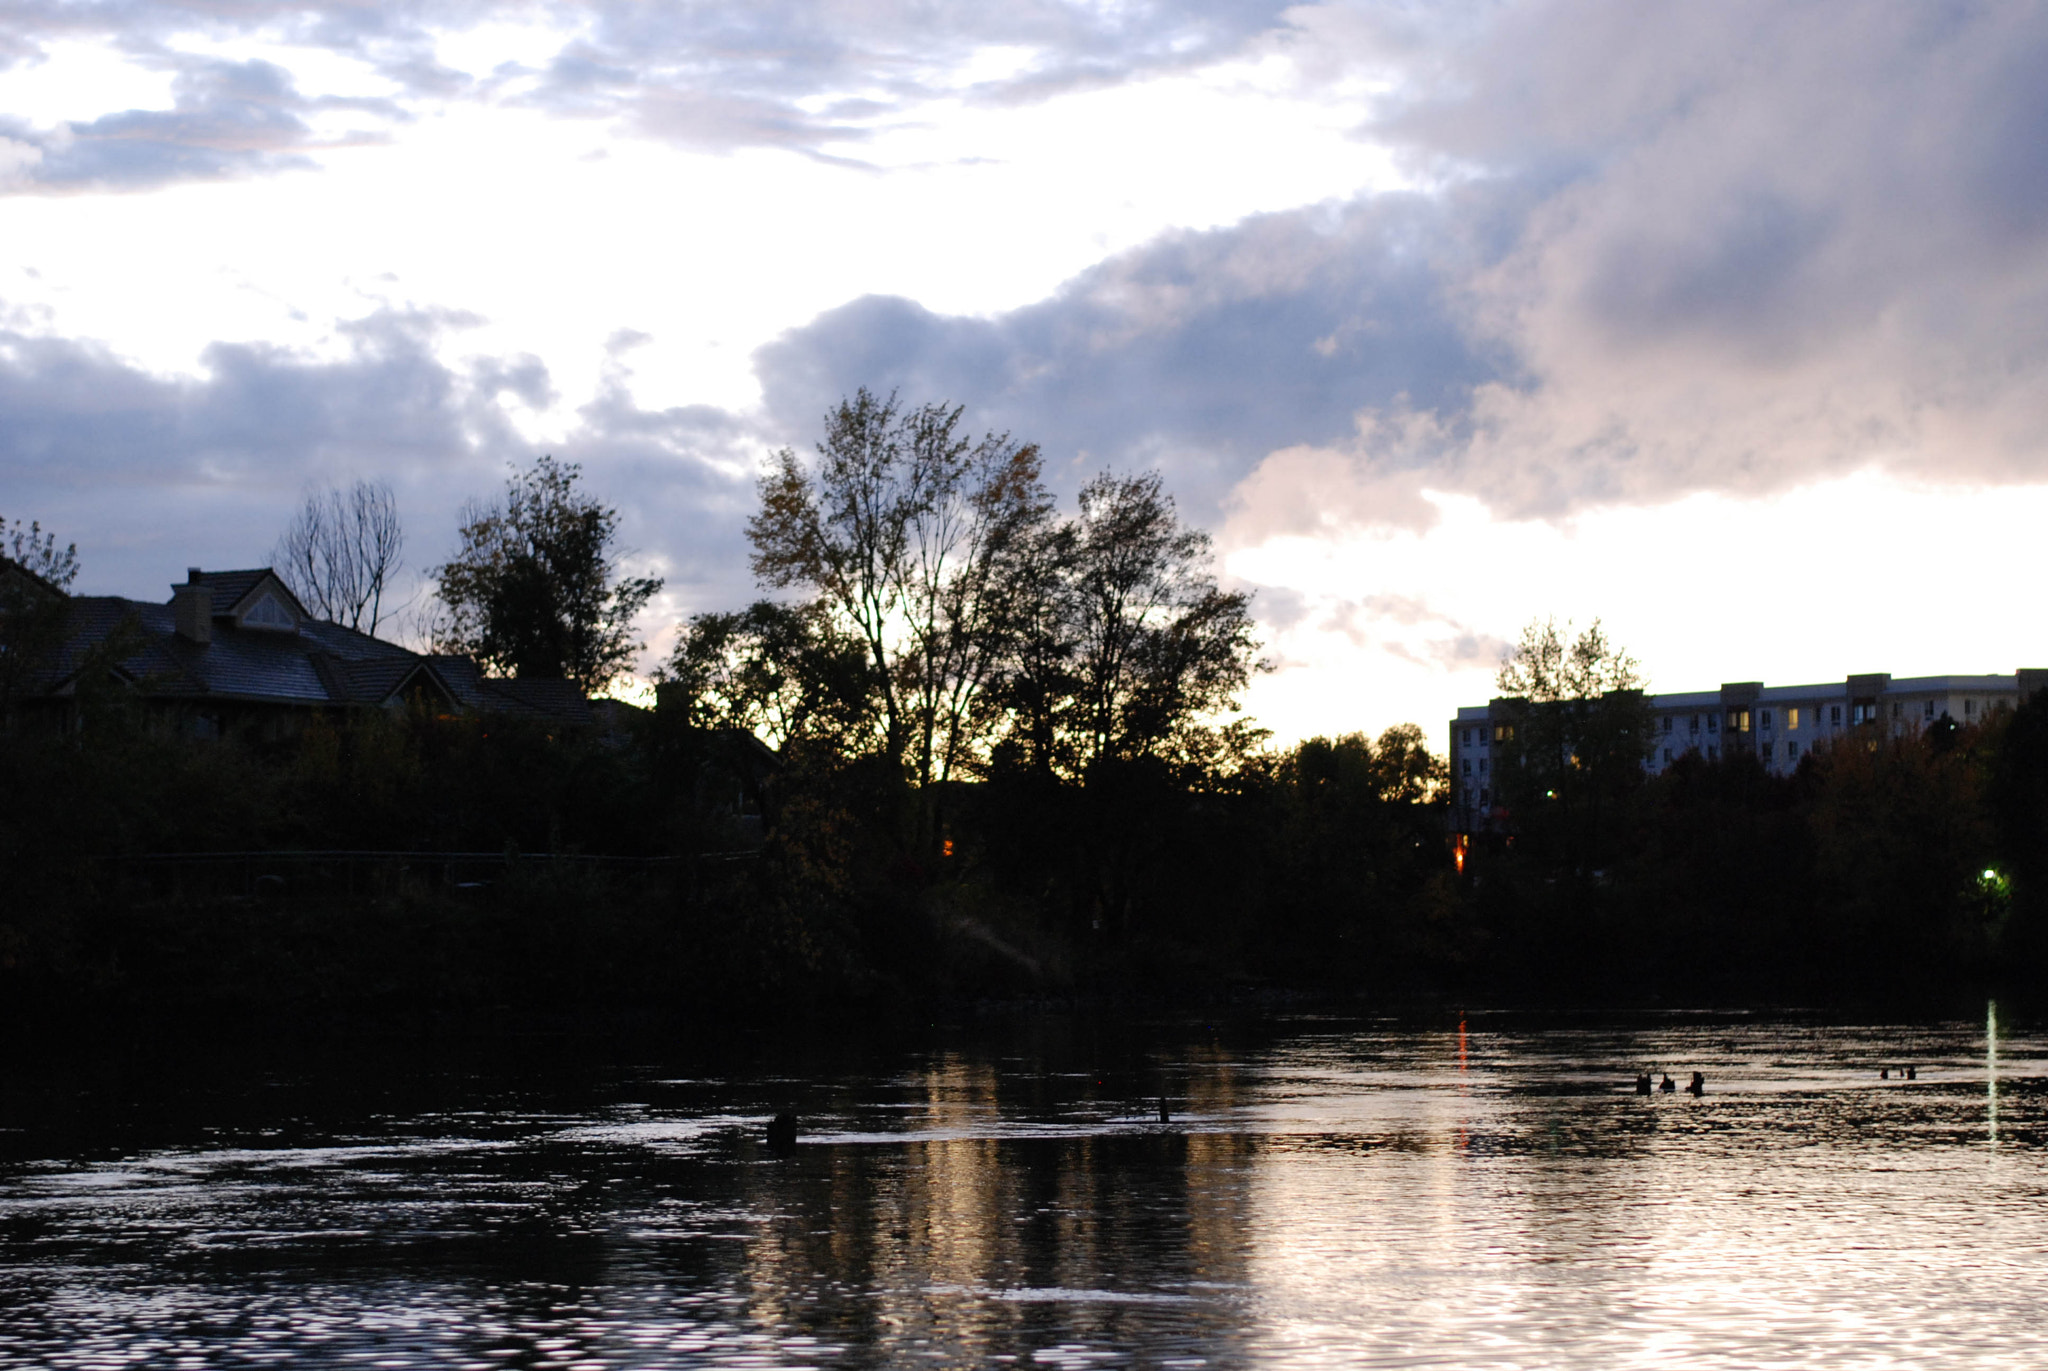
[(948, 849), (1458, 853)]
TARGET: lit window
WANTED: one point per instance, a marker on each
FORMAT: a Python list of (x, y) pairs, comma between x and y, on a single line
[(1792, 718)]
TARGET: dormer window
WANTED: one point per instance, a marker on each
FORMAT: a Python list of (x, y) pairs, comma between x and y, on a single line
[(268, 613)]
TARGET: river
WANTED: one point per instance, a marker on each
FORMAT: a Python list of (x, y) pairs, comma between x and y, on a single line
[(1482, 1191)]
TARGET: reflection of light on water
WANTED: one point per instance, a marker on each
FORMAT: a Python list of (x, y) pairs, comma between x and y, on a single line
[(1991, 1063)]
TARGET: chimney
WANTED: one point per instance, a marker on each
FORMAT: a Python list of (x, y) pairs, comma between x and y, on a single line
[(192, 608)]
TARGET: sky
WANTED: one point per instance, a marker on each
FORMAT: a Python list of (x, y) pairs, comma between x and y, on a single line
[(1726, 325)]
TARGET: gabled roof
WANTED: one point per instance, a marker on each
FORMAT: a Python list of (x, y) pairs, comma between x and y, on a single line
[(323, 664), (527, 697), (234, 592)]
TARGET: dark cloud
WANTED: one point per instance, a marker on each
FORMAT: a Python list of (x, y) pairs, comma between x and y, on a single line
[(1733, 248), (150, 473), (1202, 352), (1795, 240)]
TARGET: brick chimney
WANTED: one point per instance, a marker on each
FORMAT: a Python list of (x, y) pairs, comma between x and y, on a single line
[(192, 608)]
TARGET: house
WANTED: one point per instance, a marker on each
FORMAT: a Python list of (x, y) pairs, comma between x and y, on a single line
[(236, 650)]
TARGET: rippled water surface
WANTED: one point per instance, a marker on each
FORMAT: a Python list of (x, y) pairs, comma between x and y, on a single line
[(1488, 1193)]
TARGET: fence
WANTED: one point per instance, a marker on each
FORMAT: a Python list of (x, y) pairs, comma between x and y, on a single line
[(260, 874)]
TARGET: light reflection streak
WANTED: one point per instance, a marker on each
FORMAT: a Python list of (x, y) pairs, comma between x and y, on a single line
[(1991, 1066)]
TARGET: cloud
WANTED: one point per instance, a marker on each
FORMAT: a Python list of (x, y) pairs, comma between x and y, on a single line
[(150, 473), (227, 119), (808, 76), (1410, 628), (732, 76), (1737, 248), (1796, 242), (1200, 353)]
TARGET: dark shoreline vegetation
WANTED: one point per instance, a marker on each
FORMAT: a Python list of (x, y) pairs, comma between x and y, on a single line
[(1293, 880), (978, 754)]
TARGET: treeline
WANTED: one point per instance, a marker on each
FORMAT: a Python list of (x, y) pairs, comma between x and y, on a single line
[(1891, 863), (739, 887), (1003, 758)]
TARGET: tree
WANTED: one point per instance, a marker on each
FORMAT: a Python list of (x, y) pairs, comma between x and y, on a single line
[(784, 673), (35, 581), (341, 551), (906, 533), (1156, 645), (1578, 729), (535, 590)]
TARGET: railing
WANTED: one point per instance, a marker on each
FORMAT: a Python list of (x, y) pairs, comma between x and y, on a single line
[(260, 871)]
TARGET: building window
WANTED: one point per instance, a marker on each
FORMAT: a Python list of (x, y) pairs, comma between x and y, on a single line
[(1695, 723), (1468, 767), (1765, 718), (1738, 721), (1791, 750), (1898, 708), (1969, 709), (1792, 718), (1482, 766), (1466, 737), (1927, 709), (1485, 795), (1713, 722), (1667, 723), (1835, 715), (1667, 756), (1713, 753)]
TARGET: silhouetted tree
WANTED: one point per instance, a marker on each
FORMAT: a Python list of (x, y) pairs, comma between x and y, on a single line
[(1901, 836), (906, 531), (341, 552), (2018, 798), (1578, 727), (785, 673), (1123, 644), (535, 589), (35, 580)]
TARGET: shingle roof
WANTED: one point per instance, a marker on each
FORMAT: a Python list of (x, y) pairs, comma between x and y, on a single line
[(229, 587), (321, 664)]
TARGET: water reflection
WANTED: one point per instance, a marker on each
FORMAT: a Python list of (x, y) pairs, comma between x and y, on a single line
[(1991, 1067), (1344, 1194)]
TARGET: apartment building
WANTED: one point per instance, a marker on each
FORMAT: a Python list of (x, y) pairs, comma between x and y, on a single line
[(1775, 724)]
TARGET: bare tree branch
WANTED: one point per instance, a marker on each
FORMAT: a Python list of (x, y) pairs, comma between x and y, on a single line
[(341, 551)]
